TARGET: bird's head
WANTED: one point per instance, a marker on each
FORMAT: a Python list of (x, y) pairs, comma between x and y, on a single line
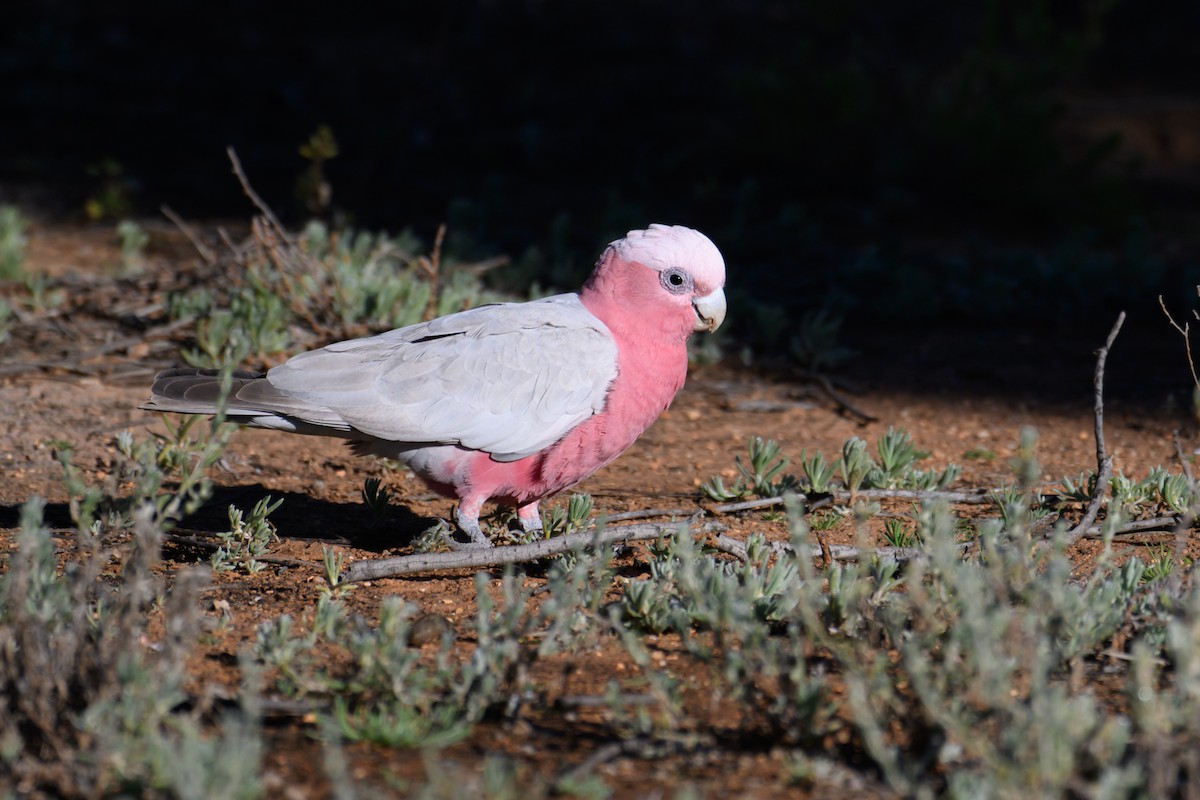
[(667, 274)]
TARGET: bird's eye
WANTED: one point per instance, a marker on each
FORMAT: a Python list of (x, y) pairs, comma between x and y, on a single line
[(675, 280)]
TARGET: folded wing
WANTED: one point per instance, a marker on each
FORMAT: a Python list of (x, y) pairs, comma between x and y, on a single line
[(508, 379)]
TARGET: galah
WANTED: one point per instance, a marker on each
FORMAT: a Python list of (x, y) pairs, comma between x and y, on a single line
[(510, 402)]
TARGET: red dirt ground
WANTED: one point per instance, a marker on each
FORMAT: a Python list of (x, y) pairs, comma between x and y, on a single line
[(77, 377)]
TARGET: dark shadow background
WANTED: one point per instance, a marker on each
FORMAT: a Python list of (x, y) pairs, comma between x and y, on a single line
[(975, 187)]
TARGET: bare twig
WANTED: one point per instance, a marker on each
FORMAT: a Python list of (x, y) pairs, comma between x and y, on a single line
[(842, 403), (603, 701), (253, 195), (204, 250), (836, 552), (975, 496), (1184, 331), (1181, 458), (647, 513), (1093, 507), (733, 546), (639, 747), (826, 551), (1104, 462), (205, 544), (1136, 527), (512, 554), (768, 406), (750, 505)]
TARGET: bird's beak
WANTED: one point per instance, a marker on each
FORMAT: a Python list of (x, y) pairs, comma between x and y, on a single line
[(710, 310)]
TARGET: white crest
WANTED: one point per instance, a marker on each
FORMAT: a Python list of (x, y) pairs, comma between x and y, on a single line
[(662, 246)]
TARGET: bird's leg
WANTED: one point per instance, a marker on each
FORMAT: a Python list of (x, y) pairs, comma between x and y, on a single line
[(466, 516), (531, 518)]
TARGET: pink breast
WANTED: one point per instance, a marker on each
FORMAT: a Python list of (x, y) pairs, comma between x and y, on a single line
[(641, 392)]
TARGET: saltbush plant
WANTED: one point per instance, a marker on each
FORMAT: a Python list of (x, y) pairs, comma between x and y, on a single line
[(287, 292), (855, 470), (94, 705)]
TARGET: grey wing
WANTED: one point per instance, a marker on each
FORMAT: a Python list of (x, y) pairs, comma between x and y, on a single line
[(508, 379)]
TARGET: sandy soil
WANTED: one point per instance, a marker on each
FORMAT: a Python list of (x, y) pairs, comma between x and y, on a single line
[(79, 374)]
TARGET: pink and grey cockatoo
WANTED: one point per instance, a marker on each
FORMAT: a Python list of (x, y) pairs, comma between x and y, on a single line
[(510, 402)]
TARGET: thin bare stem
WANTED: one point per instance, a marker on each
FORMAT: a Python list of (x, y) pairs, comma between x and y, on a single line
[(253, 195), (1185, 332), (204, 250), (974, 496), (1104, 462), (512, 554)]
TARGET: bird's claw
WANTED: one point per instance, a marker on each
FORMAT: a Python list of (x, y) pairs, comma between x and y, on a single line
[(478, 539), (455, 544)]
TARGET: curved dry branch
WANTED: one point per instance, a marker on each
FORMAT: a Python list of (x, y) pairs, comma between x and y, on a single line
[(514, 554), (973, 496), (1104, 462)]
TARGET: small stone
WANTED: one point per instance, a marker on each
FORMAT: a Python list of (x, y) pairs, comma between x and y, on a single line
[(428, 629)]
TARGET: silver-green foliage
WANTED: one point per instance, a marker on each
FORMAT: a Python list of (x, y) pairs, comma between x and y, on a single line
[(389, 692), (1159, 492), (89, 708), (816, 345), (6, 321), (559, 521), (766, 464), (740, 618), (133, 240), (168, 473), (895, 469), (336, 283), (957, 685), (247, 538), (12, 243)]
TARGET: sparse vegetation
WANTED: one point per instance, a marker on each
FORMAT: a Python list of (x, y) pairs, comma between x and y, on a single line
[(12, 243), (283, 291), (247, 538), (856, 469), (968, 666), (92, 674)]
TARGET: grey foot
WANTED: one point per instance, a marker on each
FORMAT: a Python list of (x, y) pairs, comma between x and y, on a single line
[(469, 526)]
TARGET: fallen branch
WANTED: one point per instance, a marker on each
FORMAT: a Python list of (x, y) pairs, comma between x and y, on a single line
[(644, 747), (1104, 462), (975, 496), (832, 552), (514, 554), (646, 513), (206, 544), (1137, 526)]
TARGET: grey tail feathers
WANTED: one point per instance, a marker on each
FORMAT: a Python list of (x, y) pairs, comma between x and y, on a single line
[(252, 401), (188, 390)]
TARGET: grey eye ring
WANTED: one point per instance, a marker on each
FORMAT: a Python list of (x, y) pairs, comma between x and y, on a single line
[(675, 280)]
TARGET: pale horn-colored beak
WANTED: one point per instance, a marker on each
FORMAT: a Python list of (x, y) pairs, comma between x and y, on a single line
[(710, 310)]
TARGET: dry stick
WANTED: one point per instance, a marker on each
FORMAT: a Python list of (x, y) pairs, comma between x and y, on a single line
[(827, 386), (640, 746), (204, 250), (1187, 339), (513, 554), (835, 552), (1104, 462), (204, 544), (1137, 526), (842, 495), (253, 195), (1181, 458), (649, 512)]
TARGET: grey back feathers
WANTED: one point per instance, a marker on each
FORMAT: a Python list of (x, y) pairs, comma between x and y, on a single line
[(508, 379)]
